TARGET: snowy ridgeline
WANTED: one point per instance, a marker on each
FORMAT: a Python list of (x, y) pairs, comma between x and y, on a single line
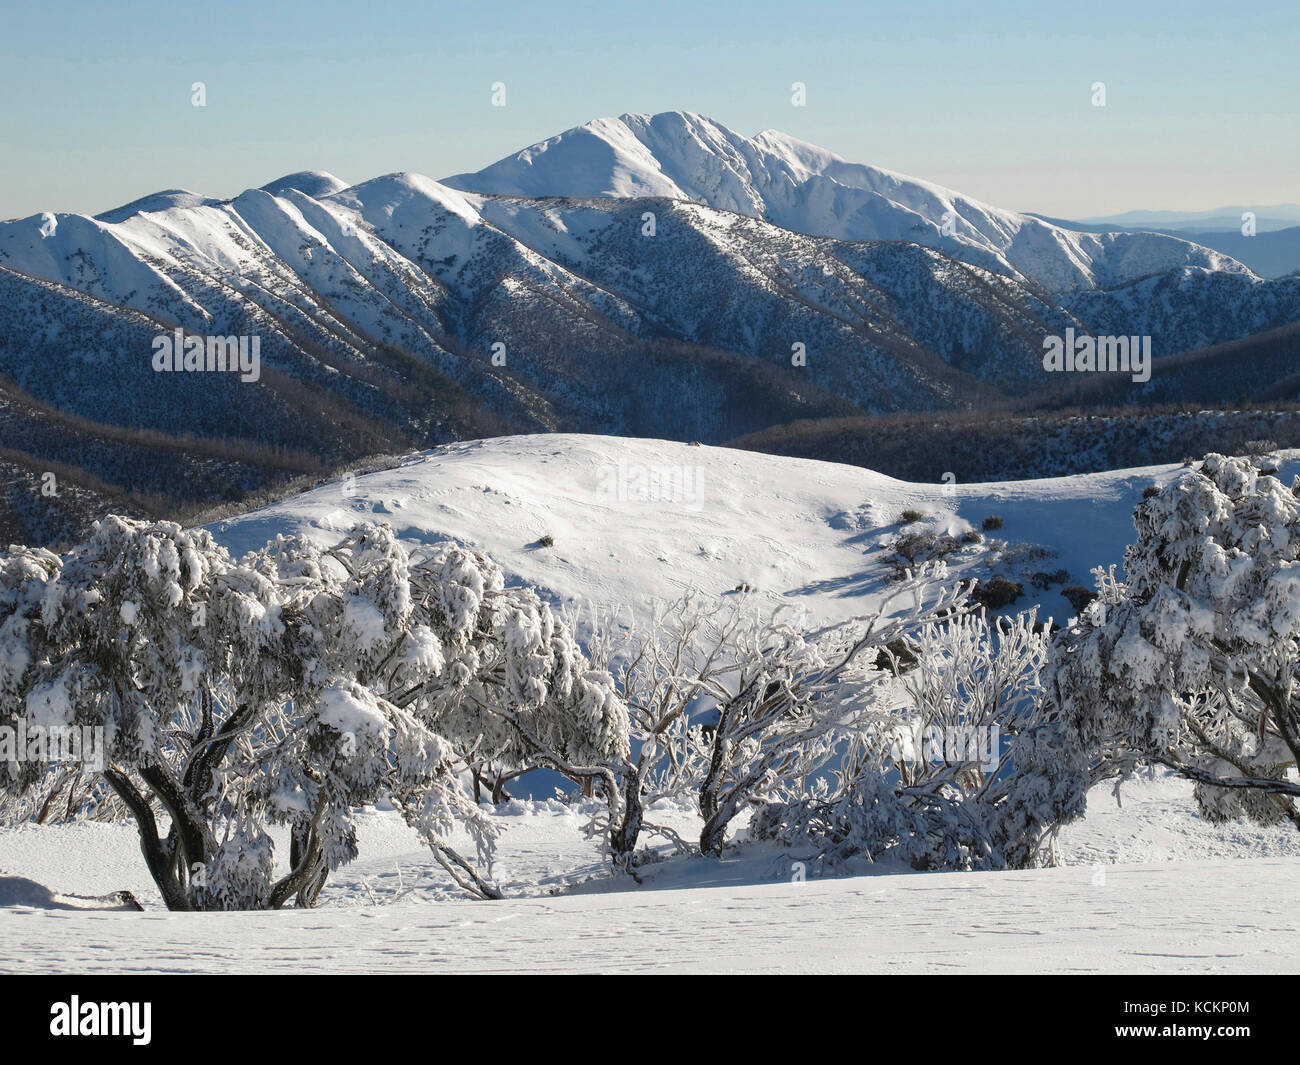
[(369, 678), (417, 313)]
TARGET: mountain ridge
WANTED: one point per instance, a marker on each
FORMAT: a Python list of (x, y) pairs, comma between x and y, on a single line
[(402, 312), (801, 186)]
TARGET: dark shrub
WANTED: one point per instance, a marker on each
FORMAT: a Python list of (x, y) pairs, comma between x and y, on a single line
[(1078, 597), (1041, 580), (922, 547), (996, 593)]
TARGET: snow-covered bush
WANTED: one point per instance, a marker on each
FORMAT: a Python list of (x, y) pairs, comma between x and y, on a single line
[(662, 675), (288, 688), (66, 792), (1192, 660), (928, 776), (737, 709), (790, 696), (519, 692)]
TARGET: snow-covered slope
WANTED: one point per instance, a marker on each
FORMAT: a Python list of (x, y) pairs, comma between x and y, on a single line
[(401, 312), (573, 292), (314, 183), (758, 246), (393, 911), (803, 187), (810, 535)]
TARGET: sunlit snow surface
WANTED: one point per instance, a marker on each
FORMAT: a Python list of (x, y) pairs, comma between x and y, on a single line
[(1144, 885), (1226, 904)]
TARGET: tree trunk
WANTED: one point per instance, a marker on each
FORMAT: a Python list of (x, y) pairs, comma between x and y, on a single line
[(624, 834)]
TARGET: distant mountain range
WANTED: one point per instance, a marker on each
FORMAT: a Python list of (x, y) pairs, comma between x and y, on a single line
[(648, 275), (1272, 250), (799, 186), (1275, 216)]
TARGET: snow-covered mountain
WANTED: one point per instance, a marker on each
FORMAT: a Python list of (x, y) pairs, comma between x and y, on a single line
[(675, 280), (367, 280), (572, 289), (800, 186)]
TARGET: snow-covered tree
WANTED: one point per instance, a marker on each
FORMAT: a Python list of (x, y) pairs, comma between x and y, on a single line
[(662, 674), (927, 776), (287, 688), (735, 708), (792, 697), (518, 693), (1192, 661), (532, 685)]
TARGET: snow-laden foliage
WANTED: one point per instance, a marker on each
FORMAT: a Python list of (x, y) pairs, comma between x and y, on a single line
[(929, 774), (1191, 660), (738, 710), (519, 686), (662, 674), (288, 688)]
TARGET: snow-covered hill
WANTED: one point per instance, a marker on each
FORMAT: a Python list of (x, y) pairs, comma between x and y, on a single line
[(636, 520), (806, 188)]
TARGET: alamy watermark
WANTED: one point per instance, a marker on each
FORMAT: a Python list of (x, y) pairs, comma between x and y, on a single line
[(176, 353), (1098, 354), (131, 1020), (634, 482), (53, 743), (947, 745)]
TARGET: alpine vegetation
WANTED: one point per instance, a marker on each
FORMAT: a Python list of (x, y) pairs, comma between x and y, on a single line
[(739, 712), (288, 688), (1191, 661), (963, 807)]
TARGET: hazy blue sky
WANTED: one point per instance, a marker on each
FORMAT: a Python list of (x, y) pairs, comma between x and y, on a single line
[(993, 98)]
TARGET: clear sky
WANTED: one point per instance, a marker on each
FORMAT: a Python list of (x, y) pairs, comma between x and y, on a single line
[(991, 98)]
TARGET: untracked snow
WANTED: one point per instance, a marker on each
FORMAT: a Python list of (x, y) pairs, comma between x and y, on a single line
[(634, 520), (391, 912)]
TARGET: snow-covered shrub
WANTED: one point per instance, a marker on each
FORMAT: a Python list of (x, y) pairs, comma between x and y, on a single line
[(1192, 660), (490, 669), (916, 548), (287, 688), (928, 776), (66, 792), (665, 675), (518, 691), (739, 709)]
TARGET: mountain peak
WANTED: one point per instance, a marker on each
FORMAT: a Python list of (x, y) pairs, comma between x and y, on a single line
[(313, 183), (158, 201), (808, 189)]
